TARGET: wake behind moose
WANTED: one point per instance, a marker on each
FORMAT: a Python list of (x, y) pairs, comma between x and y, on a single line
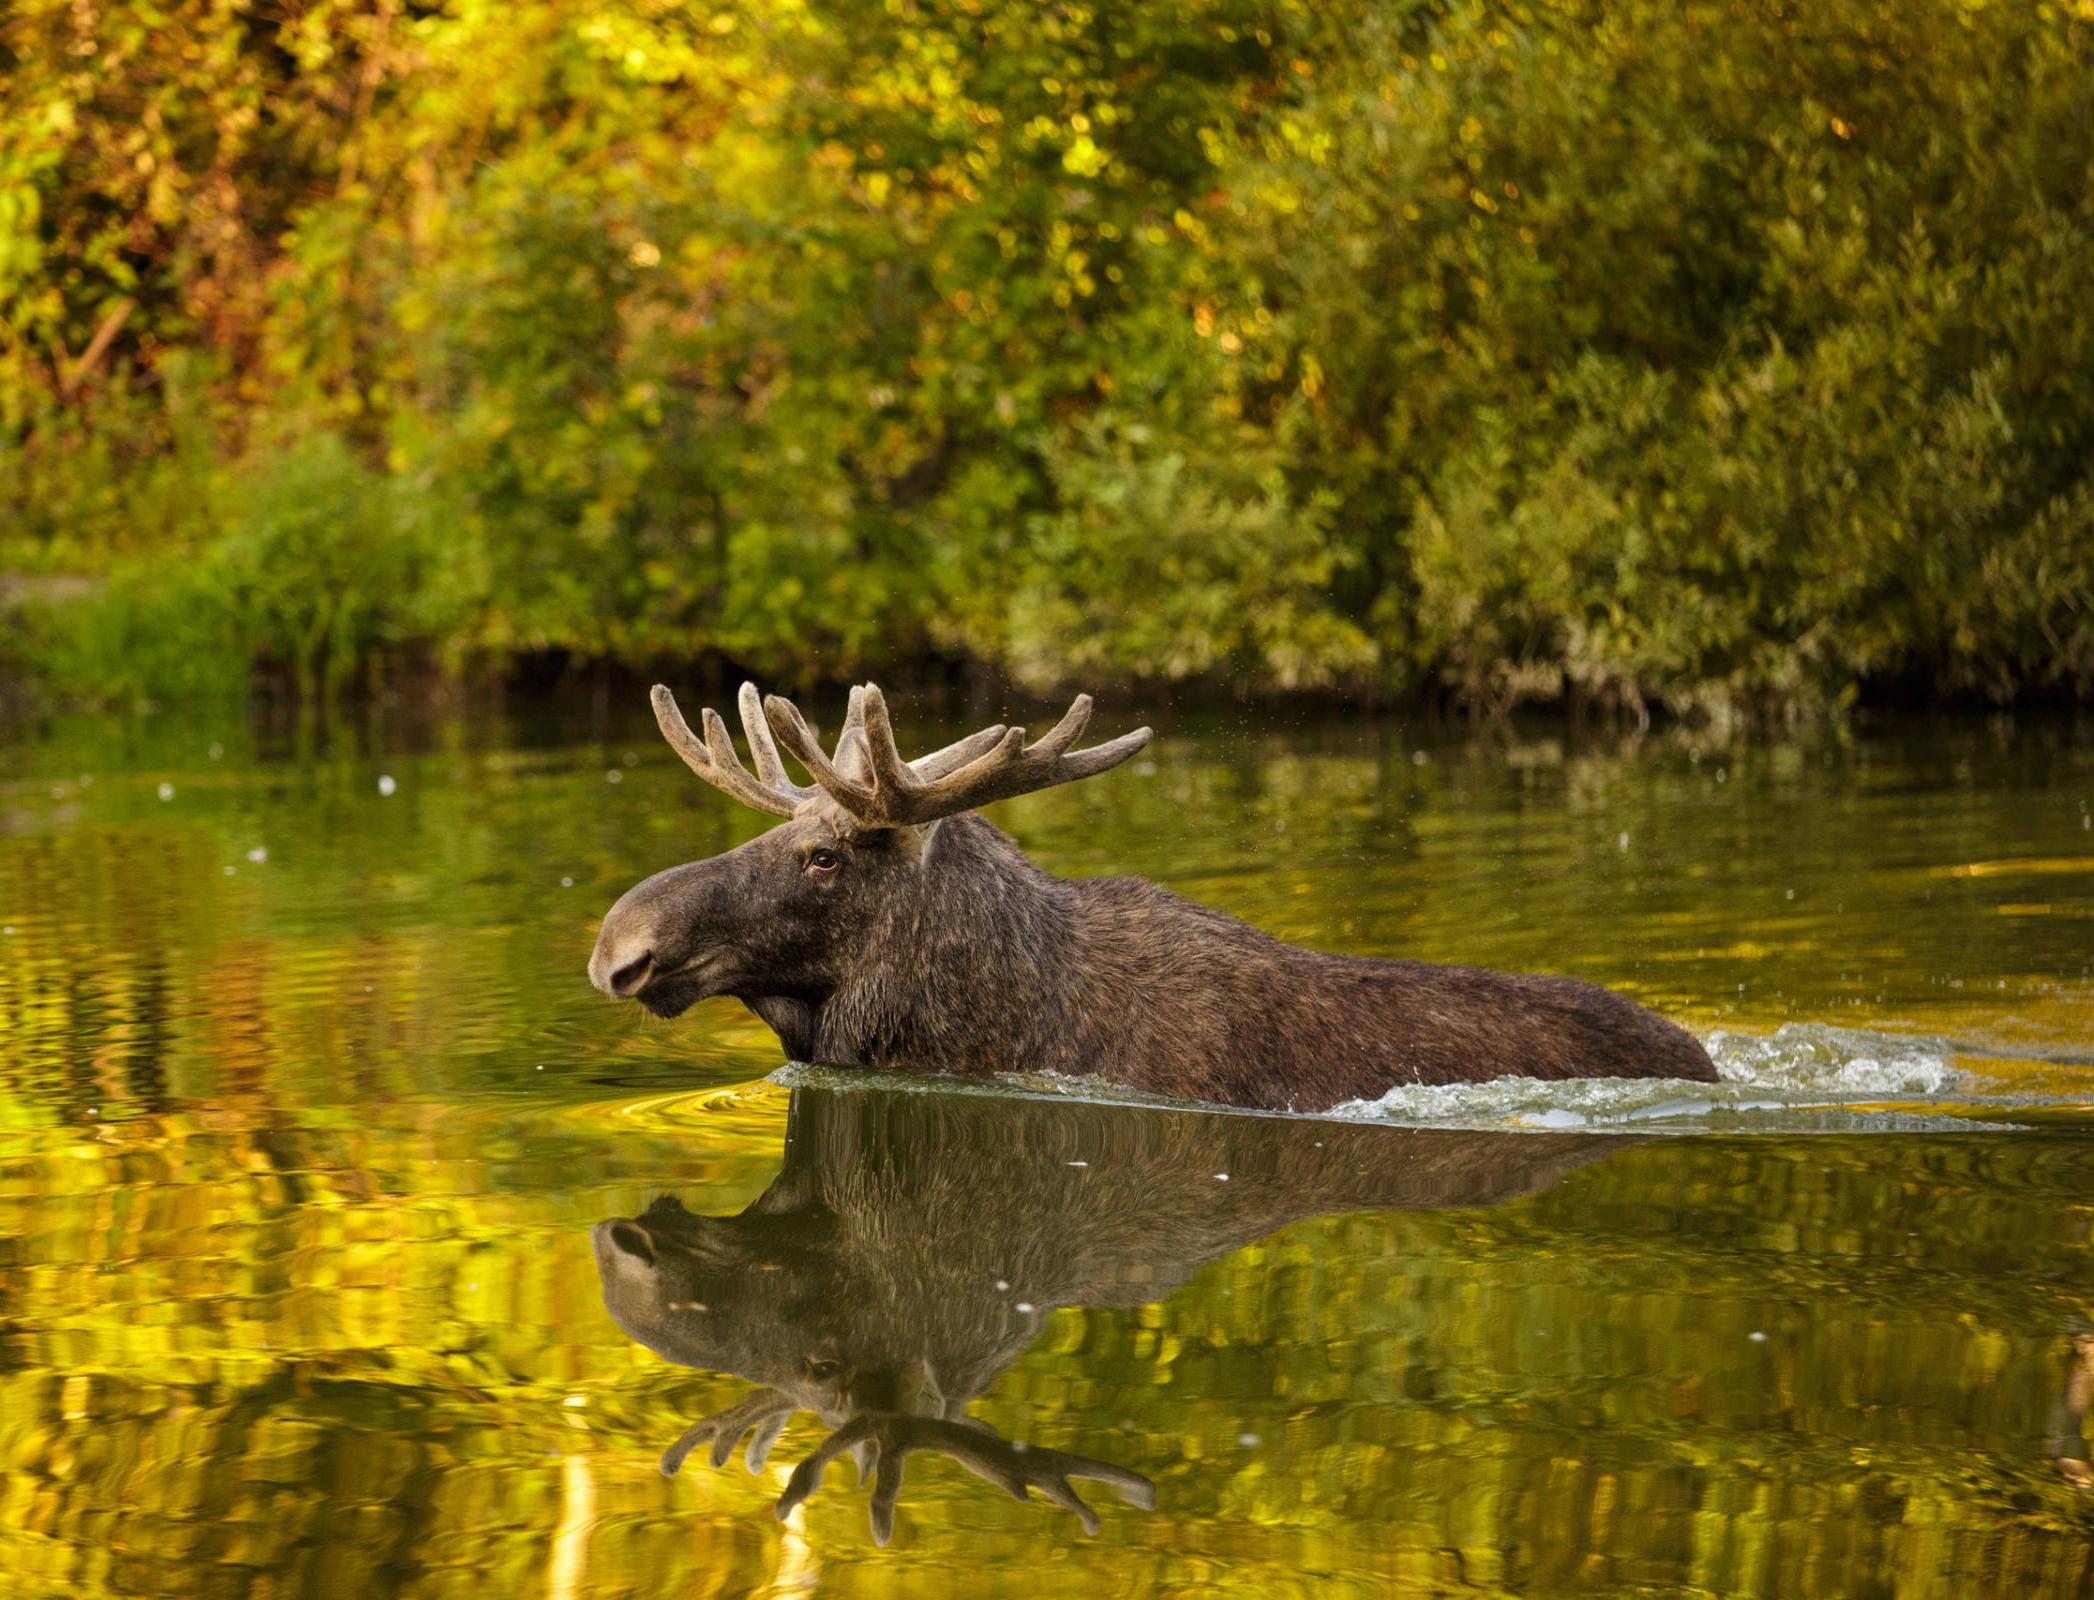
[(884, 924)]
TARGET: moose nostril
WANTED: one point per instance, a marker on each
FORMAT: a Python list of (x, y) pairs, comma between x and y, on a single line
[(633, 1241), (628, 978)]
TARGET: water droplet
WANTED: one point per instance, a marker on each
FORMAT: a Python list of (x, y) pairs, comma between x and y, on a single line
[(258, 854), (614, 776), (1002, 1283), (167, 791), (1079, 1163), (1756, 1336), (1221, 1177), (1025, 1306), (1249, 1441), (386, 784), (567, 883)]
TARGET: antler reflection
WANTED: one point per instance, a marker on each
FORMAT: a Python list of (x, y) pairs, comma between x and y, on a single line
[(765, 1410), (879, 1441)]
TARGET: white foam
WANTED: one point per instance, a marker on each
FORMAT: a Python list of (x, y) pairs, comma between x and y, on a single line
[(1801, 1077), (1848, 1063)]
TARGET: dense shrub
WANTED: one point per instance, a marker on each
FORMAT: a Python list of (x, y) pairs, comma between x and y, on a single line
[(1699, 355)]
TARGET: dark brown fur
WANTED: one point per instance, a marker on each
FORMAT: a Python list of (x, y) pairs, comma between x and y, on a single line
[(944, 948)]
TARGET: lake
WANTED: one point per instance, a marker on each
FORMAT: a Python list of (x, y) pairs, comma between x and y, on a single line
[(319, 1159)]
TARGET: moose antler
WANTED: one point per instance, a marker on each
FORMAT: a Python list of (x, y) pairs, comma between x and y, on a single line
[(883, 790), (714, 760), (866, 774), (765, 1410), (881, 1439)]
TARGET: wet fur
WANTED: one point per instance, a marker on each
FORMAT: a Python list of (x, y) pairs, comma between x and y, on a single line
[(945, 949), (1001, 965)]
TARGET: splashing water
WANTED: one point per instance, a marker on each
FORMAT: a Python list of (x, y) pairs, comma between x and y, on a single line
[(1801, 1078)]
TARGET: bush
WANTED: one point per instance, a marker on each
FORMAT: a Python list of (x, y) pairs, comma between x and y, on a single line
[(1691, 355)]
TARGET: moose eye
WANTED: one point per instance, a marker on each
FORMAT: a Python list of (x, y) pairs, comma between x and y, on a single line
[(823, 861), (823, 1371)]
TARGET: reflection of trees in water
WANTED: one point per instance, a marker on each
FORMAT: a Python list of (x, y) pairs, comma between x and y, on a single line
[(353, 1382), (2068, 1436)]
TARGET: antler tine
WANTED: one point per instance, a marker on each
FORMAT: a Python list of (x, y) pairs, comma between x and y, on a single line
[(797, 737), (860, 1431), (888, 1437), (998, 1461), (717, 743), (762, 747), (894, 776), (850, 755), (766, 1410), (765, 1436), (1067, 731), (957, 754), (725, 774)]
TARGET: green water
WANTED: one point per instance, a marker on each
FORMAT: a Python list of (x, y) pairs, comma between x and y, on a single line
[(307, 1113)]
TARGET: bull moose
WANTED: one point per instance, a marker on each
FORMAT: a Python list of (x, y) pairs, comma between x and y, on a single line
[(884, 924), (913, 1246)]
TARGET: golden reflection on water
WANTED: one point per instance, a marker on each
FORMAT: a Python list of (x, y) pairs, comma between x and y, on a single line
[(1703, 1364), (300, 1158)]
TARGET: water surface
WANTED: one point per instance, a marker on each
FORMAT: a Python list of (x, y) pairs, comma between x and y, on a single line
[(308, 1121)]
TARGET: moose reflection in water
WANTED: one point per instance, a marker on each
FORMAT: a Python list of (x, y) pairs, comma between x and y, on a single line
[(914, 1244)]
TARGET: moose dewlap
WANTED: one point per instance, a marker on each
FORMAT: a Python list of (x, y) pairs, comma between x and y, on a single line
[(884, 924)]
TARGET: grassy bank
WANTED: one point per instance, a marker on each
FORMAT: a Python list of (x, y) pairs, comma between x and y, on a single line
[(1689, 357)]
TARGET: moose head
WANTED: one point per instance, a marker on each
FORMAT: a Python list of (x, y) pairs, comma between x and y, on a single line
[(816, 908)]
